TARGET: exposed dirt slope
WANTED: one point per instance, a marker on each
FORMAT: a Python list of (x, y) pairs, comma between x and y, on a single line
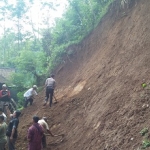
[(99, 88)]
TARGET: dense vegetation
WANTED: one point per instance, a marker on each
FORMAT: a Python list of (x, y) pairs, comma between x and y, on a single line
[(34, 49)]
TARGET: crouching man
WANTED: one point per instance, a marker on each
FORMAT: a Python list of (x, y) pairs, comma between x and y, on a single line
[(29, 95)]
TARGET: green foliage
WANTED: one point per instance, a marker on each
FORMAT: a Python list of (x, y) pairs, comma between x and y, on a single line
[(78, 21), (20, 108), (144, 131), (7, 47), (29, 61), (19, 9), (145, 144), (20, 99), (32, 56), (29, 67), (23, 80), (40, 88), (144, 85)]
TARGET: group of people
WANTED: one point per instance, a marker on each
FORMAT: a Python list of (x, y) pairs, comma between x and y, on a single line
[(8, 133), (50, 84), (36, 135)]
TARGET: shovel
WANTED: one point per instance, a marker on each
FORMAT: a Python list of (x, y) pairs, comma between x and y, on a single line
[(58, 142), (55, 100)]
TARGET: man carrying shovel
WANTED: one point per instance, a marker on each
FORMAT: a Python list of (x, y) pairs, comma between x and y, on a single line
[(50, 86)]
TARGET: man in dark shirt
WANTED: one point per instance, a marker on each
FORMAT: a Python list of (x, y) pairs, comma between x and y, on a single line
[(12, 130), (35, 134)]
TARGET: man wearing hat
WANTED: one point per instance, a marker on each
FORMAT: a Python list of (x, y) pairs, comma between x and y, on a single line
[(29, 95)]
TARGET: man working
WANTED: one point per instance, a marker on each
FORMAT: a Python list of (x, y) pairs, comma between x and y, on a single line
[(43, 123), (12, 133), (50, 86), (35, 134), (29, 95)]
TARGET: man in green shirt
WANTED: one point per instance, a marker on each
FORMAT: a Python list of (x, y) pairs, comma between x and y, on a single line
[(3, 128)]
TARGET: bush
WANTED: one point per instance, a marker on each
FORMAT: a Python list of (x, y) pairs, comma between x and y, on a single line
[(20, 99)]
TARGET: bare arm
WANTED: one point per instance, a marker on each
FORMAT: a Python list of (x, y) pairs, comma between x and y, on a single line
[(12, 133), (5, 95), (15, 124), (50, 133)]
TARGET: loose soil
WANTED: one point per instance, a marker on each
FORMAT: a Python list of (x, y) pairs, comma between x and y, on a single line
[(101, 103)]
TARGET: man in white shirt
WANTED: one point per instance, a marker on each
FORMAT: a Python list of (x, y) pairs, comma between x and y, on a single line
[(44, 125), (1, 113), (50, 86), (29, 95)]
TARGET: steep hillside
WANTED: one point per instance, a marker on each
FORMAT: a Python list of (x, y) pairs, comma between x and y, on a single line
[(101, 101)]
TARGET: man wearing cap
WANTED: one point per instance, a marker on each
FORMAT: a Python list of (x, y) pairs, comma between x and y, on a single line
[(50, 86), (29, 95), (44, 125)]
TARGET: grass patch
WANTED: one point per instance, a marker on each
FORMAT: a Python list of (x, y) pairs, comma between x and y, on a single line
[(145, 144), (144, 131), (146, 141)]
